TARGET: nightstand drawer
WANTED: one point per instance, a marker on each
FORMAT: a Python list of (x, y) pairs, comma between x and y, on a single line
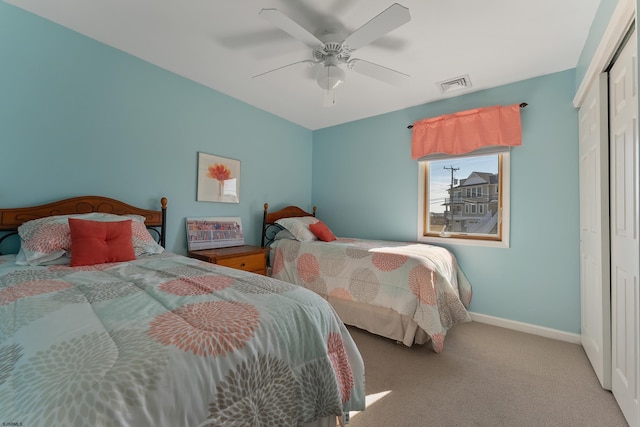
[(248, 262), (245, 257)]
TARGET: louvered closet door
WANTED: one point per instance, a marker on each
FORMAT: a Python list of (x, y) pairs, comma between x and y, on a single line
[(594, 230), (625, 249)]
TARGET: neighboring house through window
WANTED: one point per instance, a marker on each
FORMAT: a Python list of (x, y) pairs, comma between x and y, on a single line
[(465, 199)]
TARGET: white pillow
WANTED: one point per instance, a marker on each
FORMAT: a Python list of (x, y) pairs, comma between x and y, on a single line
[(284, 234), (299, 227), (21, 259)]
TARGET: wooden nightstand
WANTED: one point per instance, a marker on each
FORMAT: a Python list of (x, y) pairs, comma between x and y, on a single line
[(247, 257)]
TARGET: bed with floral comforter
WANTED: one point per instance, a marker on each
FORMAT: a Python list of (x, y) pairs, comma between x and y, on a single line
[(168, 340), (418, 282)]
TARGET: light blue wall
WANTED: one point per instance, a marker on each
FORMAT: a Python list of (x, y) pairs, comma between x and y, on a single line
[(78, 117), (366, 185), (598, 27)]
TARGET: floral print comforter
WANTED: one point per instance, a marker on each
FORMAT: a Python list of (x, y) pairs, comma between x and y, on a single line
[(420, 281), (172, 341)]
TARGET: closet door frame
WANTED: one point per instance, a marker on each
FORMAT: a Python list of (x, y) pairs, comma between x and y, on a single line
[(595, 292)]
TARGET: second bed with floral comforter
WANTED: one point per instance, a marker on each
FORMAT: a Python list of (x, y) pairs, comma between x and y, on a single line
[(422, 282)]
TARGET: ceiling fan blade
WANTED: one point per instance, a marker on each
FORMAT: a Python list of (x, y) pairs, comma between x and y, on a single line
[(290, 26), (378, 72), (309, 63), (388, 20)]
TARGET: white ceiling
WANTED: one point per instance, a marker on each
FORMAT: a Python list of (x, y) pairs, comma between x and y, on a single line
[(222, 44)]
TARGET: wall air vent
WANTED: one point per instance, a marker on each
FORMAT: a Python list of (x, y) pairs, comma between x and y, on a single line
[(454, 84)]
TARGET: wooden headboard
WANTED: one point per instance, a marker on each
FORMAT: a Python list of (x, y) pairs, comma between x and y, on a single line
[(11, 219), (270, 228)]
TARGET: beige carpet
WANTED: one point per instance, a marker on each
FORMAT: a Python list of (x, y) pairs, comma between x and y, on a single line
[(485, 376)]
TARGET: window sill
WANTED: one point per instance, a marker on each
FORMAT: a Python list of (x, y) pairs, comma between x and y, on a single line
[(463, 242)]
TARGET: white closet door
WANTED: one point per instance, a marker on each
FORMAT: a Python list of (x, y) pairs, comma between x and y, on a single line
[(625, 249), (594, 230)]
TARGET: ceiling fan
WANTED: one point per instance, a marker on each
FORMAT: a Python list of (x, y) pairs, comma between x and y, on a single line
[(331, 53)]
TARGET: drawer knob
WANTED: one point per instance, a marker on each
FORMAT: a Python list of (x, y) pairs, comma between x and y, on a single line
[(243, 264)]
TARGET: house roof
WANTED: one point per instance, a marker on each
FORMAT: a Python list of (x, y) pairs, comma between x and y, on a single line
[(477, 178)]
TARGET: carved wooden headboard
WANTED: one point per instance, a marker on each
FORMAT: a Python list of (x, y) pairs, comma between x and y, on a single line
[(270, 228), (11, 219)]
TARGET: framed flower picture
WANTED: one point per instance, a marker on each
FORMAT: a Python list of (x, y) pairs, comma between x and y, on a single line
[(218, 179)]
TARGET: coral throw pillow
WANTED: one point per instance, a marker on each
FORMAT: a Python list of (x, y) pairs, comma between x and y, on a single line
[(95, 242), (322, 232)]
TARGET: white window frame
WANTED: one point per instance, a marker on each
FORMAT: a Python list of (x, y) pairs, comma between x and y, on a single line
[(505, 172)]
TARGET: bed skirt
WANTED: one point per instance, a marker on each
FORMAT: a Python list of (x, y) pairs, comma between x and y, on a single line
[(379, 321)]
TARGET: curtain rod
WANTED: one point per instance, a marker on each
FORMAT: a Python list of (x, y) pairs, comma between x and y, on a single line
[(522, 105)]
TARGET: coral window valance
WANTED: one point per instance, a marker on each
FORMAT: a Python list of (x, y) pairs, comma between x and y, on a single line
[(467, 131)]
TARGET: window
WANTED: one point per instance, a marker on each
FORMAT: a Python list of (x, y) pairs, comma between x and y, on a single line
[(474, 192), (478, 212)]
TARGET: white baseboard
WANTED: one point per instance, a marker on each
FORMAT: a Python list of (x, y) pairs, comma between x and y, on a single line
[(527, 327)]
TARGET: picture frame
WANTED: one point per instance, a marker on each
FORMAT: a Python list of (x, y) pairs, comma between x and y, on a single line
[(214, 232), (218, 179)]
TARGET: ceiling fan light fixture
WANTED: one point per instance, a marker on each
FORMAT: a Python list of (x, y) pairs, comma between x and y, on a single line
[(330, 77)]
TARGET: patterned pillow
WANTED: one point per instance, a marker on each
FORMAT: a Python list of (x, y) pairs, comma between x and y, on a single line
[(299, 227), (143, 242), (46, 239)]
